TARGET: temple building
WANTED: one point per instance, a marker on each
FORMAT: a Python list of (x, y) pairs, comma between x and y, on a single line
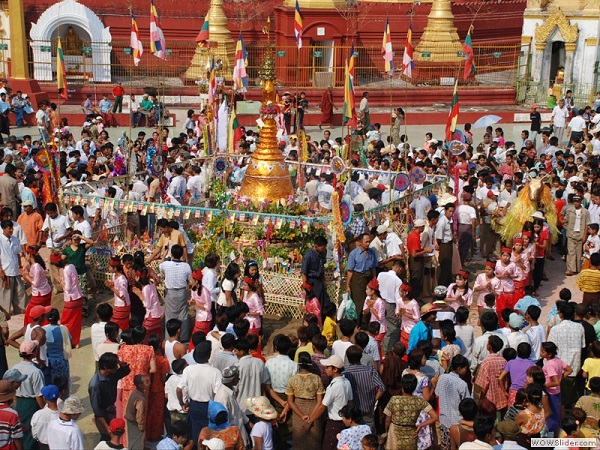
[(560, 39)]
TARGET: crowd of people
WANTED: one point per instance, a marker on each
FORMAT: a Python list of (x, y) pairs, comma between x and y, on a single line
[(398, 364)]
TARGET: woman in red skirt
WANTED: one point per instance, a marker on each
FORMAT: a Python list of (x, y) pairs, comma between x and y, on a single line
[(119, 285), (202, 300), (149, 297), (41, 291), (521, 260), (506, 272), (72, 315)]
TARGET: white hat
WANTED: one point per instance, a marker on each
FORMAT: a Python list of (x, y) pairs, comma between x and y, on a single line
[(99, 118), (333, 360), (445, 199), (261, 406), (382, 229), (214, 444), (27, 203), (538, 215), (87, 124), (71, 161), (419, 223)]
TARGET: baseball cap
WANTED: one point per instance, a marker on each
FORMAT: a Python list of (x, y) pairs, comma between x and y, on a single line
[(38, 310), (116, 425), (50, 392), (333, 360), (29, 347), (214, 444), (14, 375)]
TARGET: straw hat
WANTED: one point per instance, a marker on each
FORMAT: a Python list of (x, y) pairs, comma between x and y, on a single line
[(261, 407), (73, 405)]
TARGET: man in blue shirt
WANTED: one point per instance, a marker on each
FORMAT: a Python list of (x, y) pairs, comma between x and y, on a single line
[(423, 330), (525, 302), (360, 267), (106, 111)]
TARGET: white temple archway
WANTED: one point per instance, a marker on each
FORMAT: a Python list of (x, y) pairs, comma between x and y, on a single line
[(58, 17)]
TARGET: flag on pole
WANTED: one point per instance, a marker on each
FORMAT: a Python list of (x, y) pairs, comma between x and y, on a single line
[(386, 49), (137, 49), (240, 77), (235, 131), (407, 60), (212, 84), (453, 115), (298, 26), (158, 45), (349, 97), (469, 57), (204, 34), (61, 73)]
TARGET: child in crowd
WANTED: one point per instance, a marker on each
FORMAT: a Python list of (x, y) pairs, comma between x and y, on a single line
[(340, 346), (178, 438), (521, 260), (450, 350), (375, 305), (459, 293), (255, 305), (517, 406), (373, 348), (262, 431), (517, 369), (330, 324), (489, 302), (436, 350), (591, 365), (202, 300), (311, 303), (370, 442), (535, 330), (555, 370), (506, 271), (175, 410), (592, 244)]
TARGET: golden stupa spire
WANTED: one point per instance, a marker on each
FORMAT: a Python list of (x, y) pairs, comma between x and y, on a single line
[(267, 176), (440, 41)]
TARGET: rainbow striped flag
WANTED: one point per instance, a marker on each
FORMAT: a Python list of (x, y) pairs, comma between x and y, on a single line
[(158, 45), (61, 73), (240, 77), (298, 28), (407, 60), (212, 84), (204, 34), (349, 95), (137, 49), (453, 115), (386, 49)]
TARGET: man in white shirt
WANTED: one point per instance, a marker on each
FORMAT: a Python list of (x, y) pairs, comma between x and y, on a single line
[(364, 110), (202, 382), (560, 113), (141, 188), (12, 291), (337, 395), (467, 225), (194, 185), (389, 288), (577, 127), (64, 432), (177, 187)]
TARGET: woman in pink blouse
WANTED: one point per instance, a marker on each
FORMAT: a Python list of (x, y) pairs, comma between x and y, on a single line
[(119, 287), (72, 314), (41, 291), (312, 304), (486, 283), (254, 303), (375, 305), (149, 296), (202, 300), (459, 293), (408, 310), (506, 271)]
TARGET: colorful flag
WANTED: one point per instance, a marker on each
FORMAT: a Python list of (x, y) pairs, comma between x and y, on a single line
[(235, 131), (158, 45), (386, 49), (240, 77), (61, 73), (349, 97), (212, 83), (407, 60), (298, 26), (469, 57), (204, 34), (137, 49), (453, 115)]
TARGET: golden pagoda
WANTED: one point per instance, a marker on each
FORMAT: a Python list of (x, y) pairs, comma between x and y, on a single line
[(267, 175), (222, 46), (440, 41)]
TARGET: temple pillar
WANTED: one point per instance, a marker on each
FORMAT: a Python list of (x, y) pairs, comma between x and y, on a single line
[(538, 58), (569, 53)]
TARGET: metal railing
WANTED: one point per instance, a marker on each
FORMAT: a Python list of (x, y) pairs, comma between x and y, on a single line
[(312, 66)]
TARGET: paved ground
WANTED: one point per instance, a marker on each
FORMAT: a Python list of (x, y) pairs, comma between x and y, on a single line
[(82, 363)]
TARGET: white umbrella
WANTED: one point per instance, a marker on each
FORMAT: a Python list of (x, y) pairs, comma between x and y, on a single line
[(486, 121)]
